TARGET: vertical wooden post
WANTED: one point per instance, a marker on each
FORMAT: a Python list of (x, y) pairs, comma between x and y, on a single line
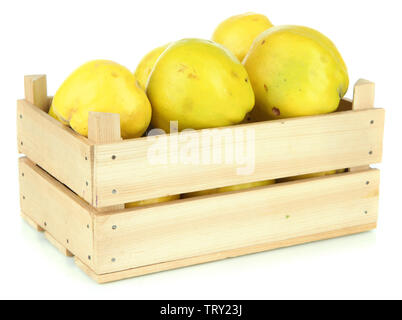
[(363, 95), (36, 91), (104, 128), (363, 98)]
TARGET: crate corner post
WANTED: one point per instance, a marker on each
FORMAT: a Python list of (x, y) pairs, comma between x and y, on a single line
[(35, 88), (103, 128), (363, 95), (363, 99)]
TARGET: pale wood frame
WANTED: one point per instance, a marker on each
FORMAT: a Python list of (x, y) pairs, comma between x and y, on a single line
[(66, 182)]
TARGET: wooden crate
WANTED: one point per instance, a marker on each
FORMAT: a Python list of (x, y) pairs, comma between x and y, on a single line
[(73, 189)]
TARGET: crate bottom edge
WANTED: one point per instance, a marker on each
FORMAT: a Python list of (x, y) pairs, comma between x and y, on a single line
[(185, 262)]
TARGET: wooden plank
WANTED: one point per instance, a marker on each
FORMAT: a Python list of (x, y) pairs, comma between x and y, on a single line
[(56, 148), (104, 128), (363, 95), (123, 171), (200, 226), (363, 99), (158, 267), (36, 91), (32, 223), (64, 251), (64, 215)]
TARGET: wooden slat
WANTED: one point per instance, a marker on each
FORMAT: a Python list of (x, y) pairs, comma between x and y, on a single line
[(363, 95), (36, 91), (65, 216), (104, 128), (169, 265), (32, 223), (363, 99), (207, 225), (56, 148), (283, 148), (63, 250)]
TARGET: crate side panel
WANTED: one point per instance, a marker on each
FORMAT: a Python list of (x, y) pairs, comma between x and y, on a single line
[(211, 224), (56, 148), (57, 210), (174, 264), (281, 148)]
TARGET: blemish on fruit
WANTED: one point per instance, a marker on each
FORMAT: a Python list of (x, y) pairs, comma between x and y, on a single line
[(276, 111), (234, 74), (114, 75), (182, 68), (263, 41), (246, 80), (265, 87), (192, 76)]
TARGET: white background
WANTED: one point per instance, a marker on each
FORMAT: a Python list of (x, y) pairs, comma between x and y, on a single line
[(55, 37)]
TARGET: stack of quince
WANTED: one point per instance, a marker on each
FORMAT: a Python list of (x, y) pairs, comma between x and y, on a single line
[(250, 71)]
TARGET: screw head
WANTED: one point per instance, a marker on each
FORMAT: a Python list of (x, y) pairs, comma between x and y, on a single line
[(114, 227), (113, 157), (367, 182), (114, 191), (113, 259)]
